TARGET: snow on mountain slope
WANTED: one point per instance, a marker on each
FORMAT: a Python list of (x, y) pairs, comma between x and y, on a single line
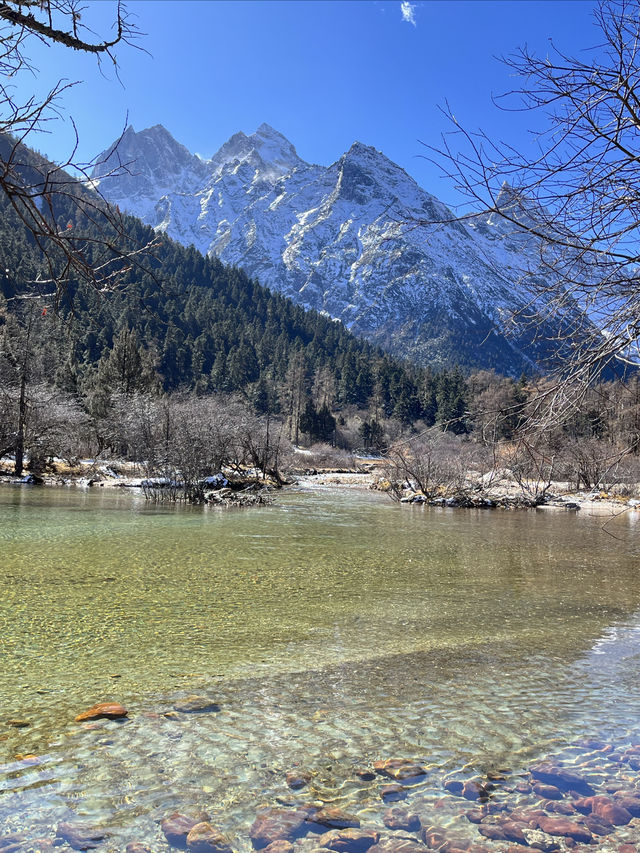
[(340, 239)]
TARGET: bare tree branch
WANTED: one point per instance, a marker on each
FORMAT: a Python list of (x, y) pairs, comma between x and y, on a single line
[(40, 192), (577, 195)]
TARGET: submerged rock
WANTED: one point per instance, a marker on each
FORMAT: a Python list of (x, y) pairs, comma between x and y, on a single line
[(137, 847), (564, 827), (177, 827), (196, 705), (204, 838), (598, 826), (562, 779), (350, 840), (80, 836), (629, 802), (492, 831), (400, 769), (279, 847), (399, 818), (365, 774), (298, 779), (392, 793), (334, 818), (474, 790), (276, 824), (548, 792), (103, 711)]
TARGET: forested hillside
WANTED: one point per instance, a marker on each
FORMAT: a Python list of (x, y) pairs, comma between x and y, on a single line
[(188, 322), (182, 323)]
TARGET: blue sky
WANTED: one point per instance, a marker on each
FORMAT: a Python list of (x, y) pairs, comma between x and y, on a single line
[(323, 73)]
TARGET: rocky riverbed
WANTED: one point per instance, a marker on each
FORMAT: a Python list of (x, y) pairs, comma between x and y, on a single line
[(584, 796)]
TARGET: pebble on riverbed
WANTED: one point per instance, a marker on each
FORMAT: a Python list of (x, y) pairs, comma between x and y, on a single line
[(400, 769), (298, 779), (18, 724)]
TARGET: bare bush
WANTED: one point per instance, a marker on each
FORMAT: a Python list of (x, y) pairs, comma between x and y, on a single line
[(533, 465), (433, 464)]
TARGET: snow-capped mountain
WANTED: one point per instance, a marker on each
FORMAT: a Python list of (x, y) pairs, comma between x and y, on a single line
[(340, 239)]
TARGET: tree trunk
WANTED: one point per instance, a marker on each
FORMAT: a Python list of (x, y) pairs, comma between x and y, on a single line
[(22, 419)]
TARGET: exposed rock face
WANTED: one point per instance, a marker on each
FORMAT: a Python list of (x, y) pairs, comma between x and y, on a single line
[(342, 239)]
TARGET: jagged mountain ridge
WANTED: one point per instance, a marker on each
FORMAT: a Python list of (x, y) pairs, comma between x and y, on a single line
[(340, 239)]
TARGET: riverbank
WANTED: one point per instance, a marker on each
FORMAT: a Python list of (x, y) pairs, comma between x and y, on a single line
[(481, 491), (507, 494)]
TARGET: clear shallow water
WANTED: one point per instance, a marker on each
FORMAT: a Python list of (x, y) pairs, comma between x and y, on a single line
[(333, 629)]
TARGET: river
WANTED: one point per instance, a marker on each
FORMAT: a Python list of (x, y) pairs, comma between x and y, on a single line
[(333, 629)]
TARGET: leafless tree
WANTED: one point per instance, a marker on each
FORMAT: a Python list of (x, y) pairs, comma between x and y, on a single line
[(577, 197), (56, 207)]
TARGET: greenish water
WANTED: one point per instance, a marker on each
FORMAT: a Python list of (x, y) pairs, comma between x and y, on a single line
[(334, 629)]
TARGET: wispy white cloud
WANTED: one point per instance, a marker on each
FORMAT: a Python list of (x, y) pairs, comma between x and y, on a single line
[(408, 11)]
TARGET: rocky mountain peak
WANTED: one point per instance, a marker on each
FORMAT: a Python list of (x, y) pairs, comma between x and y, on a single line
[(150, 150), (265, 148), (342, 239), (147, 163)]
